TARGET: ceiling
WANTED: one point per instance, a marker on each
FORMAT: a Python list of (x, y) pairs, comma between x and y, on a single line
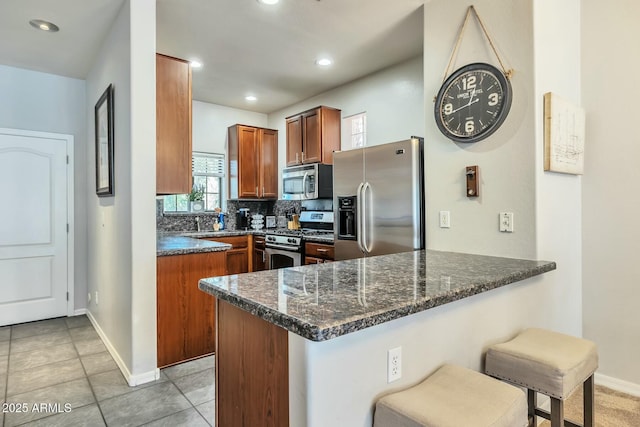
[(247, 48)]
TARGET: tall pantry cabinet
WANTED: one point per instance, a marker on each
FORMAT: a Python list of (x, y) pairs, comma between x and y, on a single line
[(253, 162), (173, 125)]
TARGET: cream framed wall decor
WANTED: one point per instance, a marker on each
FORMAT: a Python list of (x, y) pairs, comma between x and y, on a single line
[(564, 129)]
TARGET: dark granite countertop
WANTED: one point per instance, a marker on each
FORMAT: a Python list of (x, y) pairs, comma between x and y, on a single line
[(328, 239), (324, 301), (180, 245)]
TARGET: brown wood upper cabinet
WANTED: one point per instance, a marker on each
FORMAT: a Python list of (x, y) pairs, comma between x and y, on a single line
[(252, 162), (173, 125), (313, 136)]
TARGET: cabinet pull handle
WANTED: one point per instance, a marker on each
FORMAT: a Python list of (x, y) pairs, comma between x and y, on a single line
[(303, 157), (262, 191), (257, 194), (322, 250)]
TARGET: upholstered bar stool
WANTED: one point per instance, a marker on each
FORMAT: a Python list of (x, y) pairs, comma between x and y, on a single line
[(454, 396), (550, 363)]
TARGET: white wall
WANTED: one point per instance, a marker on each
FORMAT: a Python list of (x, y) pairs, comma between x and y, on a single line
[(121, 230), (392, 98), (510, 165), (505, 160), (31, 100), (611, 236), (210, 123)]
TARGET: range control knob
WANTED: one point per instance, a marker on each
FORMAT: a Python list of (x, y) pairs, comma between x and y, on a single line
[(291, 240)]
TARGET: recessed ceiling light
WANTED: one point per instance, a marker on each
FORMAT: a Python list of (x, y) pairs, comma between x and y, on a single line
[(250, 98), (196, 64), (44, 25), (324, 62), (268, 1)]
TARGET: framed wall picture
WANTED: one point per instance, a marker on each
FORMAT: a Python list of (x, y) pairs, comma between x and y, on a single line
[(104, 143), (564, 130)]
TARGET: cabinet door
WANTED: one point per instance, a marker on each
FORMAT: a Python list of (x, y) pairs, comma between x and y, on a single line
[(237, 261), (312, 138), (259, 260), (269, 164), (248, 162), (173, 126), (294, 141), (186, 315)]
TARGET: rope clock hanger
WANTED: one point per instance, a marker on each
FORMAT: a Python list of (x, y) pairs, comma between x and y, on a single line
[(474, 100)]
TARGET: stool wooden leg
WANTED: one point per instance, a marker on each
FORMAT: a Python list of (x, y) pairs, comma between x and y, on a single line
[(588, 402), (557, 412), (532, 403)]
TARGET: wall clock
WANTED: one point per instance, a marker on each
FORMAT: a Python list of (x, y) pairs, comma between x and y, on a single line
[(473, 102)]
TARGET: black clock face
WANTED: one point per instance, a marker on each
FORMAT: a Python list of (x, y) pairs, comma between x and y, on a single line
[(472, 103)]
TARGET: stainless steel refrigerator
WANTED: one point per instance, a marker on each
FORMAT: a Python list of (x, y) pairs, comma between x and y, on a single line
[(378, 199)]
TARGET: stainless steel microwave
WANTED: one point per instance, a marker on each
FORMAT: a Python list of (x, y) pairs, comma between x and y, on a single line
[(305, 182)]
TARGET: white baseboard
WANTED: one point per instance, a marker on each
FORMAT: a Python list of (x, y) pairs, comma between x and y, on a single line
[(132, 380), (618, 385), (80, 312)]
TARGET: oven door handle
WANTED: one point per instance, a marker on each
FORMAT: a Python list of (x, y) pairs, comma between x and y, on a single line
[(282, 247)]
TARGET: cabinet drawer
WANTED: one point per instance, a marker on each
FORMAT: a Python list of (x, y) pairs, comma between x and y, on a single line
[(319, 250)]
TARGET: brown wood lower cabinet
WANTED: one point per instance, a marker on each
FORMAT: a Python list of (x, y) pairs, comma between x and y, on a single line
[(316, 253), (186, 315), (259, 257), (252, 370), (238, 255)]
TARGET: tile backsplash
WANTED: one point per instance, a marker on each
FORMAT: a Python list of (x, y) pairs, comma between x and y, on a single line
[(167, 222)]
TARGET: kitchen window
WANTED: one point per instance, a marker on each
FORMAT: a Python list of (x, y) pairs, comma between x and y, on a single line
[(208, 174), (356, 128)]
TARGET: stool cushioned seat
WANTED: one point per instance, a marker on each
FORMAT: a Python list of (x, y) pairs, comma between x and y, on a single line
[(549, 362), (454, 396)]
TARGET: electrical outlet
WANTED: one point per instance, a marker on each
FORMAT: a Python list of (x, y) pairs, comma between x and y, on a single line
[(96, 297), (394, 364), (445, 219), (506, 222)]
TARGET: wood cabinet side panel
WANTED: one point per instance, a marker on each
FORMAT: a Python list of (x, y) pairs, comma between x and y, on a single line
[(173, 125), (252, 372), (186, 315), (331, 133)]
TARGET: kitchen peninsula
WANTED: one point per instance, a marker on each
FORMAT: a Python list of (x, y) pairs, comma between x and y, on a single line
[(304, 346)]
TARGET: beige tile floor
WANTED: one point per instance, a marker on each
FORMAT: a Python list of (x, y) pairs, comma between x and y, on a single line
[(63, 361)]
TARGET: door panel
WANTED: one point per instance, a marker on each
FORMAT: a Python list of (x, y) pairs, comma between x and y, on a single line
[(248, 162), (33, 228), (348, 171), (269, 164), (392, 171), (312, 137)]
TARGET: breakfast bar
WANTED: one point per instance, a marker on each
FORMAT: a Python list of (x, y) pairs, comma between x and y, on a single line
[(293, 344)]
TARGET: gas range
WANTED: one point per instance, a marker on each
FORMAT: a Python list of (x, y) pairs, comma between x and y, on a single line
[(291, 239), (315, 223)]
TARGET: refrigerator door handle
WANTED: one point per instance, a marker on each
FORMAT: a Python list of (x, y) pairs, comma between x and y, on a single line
[(359, 216), (366, 227)]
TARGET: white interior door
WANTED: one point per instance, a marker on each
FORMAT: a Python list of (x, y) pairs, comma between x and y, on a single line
[(33, 226)]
